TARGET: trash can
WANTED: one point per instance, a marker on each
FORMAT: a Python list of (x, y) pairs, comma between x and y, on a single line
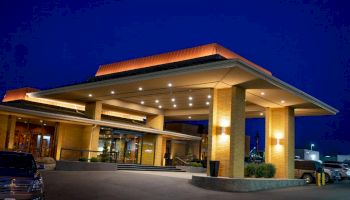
[(214, 168)]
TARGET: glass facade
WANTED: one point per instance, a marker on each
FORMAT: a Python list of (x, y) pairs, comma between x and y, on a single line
[(35, 139), (123, 146)]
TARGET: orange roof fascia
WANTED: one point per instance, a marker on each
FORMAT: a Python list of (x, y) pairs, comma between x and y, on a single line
[(17, 94), (171, 57)]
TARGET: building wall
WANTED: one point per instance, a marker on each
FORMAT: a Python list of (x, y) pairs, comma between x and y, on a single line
[(72, 136)]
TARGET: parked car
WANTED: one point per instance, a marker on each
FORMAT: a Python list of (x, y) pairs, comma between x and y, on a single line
[(306, 169), (344, 169), (19, 177)]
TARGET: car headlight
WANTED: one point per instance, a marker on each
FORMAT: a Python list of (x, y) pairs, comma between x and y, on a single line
[(37, 184)]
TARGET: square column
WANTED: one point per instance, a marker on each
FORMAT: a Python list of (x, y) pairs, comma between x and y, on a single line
[(94, 111), (279, 140), (226, 139), (157, 122)]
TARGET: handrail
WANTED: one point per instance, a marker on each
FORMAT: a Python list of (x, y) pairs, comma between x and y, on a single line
[(182, 161)]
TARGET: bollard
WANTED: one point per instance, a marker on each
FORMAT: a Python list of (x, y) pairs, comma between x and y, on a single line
[(323, 179), (318, 179)]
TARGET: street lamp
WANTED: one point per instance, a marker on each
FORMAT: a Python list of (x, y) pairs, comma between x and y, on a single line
[(312, 145)]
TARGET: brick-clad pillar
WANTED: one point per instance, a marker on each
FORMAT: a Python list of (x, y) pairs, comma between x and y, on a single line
[(157, 122), (226, 139), (94, 111), (279, 140)]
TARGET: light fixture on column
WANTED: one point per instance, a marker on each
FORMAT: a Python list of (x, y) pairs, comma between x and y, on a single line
[(224, 123), (278, 136)]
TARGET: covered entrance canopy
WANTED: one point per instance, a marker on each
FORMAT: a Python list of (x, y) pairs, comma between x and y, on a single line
[(205, 82)]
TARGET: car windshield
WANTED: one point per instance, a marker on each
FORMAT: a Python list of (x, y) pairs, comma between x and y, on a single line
[(16, 165)]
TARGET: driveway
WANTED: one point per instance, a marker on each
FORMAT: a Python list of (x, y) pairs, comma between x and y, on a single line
[(169, 185)]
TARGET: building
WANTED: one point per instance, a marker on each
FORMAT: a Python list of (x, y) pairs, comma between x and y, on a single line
[(307, 154), (124, 106)]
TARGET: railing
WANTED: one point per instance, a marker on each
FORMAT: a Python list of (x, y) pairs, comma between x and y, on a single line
[(77, 154), (179, 161)]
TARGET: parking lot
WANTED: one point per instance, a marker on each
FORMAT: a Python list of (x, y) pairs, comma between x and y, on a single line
[(164, 185)]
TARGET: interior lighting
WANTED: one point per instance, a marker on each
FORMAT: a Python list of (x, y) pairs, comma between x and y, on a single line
[(140, 88), (112, 92), (173, 99), (190, 104), (90, 95), (170, 84), (174, 105), (157, 101), (142, 102), (190, 98)]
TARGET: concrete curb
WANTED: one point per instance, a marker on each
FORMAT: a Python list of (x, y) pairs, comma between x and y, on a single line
[(243, 184)]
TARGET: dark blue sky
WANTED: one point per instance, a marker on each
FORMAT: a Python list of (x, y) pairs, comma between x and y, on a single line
[(45, 44)]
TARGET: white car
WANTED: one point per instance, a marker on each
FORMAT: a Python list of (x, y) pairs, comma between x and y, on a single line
[(344, 169)]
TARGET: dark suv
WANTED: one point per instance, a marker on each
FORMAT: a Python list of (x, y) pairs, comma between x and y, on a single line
[(306, 169), (19, 177)]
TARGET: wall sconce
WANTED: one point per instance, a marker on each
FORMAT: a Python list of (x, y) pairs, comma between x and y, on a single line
[(279, 137), (224, 123)]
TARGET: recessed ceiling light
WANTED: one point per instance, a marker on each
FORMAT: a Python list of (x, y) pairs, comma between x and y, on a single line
[(207, 103), (262, 93), (282, 101), (19, 118), (142, 102), (174, 105), (140, 88), (112, 92), (209, 96), (170, 84), (41, 121), (90, 95), (157, 101), (189, 117), (159, 106), (190, 104), (173, 99), (190, 98), (44, 124), (261, 114)]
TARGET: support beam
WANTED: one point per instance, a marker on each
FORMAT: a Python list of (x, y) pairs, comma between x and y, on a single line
[(279, 140), (227, 131)]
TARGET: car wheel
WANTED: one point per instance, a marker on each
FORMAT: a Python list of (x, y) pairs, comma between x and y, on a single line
[(307, 178)]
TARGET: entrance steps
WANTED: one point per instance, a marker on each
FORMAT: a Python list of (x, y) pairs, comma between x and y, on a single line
[(136, 167)]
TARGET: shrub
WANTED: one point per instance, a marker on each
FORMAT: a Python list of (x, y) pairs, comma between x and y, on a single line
[(250, 170), (270, 170), (195, 164), (260, 171), (83, 159), (93, 159)]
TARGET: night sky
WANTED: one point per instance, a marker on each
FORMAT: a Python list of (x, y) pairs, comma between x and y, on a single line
[(45, 44)]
